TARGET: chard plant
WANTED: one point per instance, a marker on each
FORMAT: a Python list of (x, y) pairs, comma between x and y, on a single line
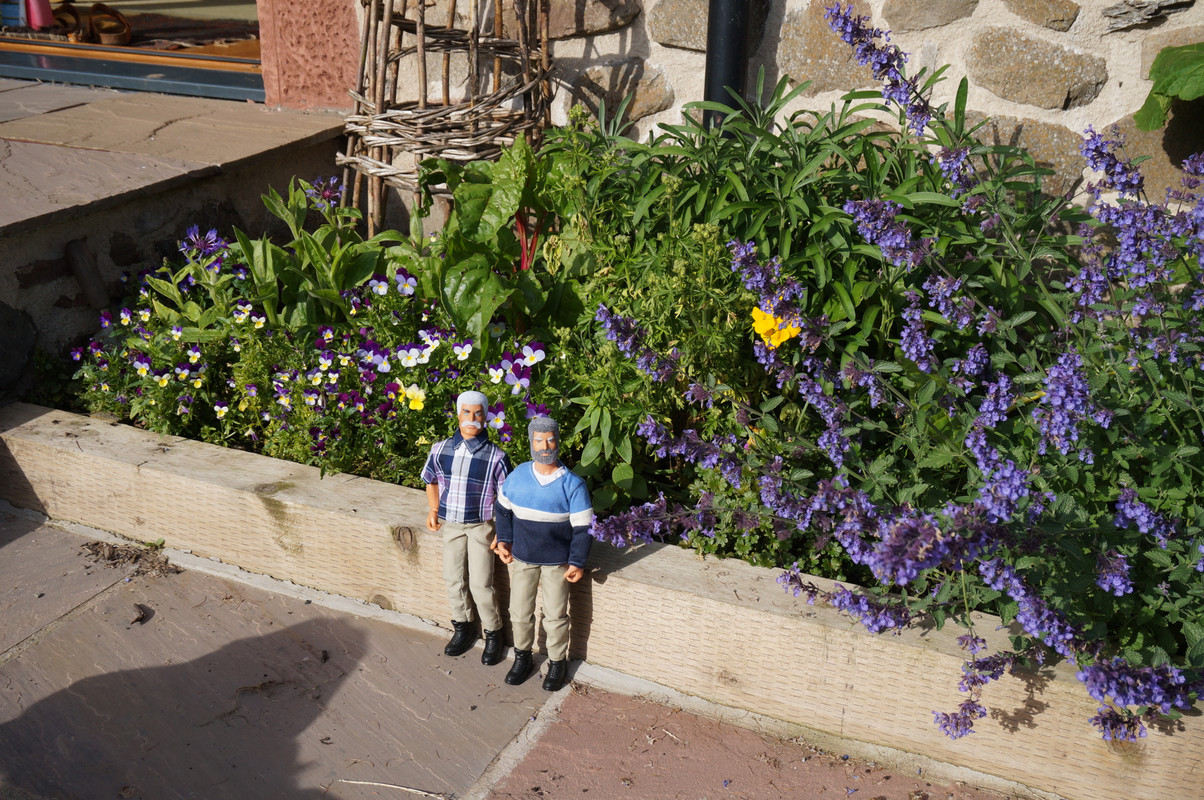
[(995, 415)]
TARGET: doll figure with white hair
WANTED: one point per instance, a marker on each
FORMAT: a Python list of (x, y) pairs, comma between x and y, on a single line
[(463, 475)]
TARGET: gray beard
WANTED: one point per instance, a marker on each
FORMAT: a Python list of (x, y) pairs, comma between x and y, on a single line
[(546, 457)]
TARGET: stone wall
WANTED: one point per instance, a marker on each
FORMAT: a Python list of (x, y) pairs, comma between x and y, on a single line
[(1043, 70)]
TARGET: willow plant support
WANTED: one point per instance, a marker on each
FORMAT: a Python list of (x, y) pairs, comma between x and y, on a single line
[(500, 59)]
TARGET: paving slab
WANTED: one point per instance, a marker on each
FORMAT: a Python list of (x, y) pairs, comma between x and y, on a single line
[(38, 179), (30, 99), (224, 690), (170, 127), (7, 84), (43, 576), (604, 745)]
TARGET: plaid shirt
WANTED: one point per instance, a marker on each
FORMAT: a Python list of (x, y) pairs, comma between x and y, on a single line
[(469, 472)]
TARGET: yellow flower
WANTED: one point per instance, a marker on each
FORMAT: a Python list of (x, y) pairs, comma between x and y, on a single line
[(771, 329)]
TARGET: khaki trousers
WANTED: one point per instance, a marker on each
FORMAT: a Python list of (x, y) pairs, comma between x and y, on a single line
[(468, 568), (524, 579)]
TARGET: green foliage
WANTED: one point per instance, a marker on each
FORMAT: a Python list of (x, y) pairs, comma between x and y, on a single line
[(1178, 74)]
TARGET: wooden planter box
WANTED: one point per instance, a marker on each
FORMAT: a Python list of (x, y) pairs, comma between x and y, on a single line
[(718, 629)]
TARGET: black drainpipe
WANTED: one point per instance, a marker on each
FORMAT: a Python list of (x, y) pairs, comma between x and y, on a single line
[(727, 32)]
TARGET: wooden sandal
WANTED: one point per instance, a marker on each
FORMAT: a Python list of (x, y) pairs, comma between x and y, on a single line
[(108, 25), (67, 18)]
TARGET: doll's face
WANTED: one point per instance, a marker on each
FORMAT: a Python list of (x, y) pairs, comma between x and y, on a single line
[(545, 449), (472, 420)]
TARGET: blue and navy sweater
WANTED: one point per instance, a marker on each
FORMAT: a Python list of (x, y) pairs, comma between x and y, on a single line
[(544, 525)]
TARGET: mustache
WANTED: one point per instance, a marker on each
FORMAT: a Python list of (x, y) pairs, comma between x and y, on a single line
[(468, 423)]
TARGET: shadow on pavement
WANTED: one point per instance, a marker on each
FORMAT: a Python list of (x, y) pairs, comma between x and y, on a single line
[(225, 725)]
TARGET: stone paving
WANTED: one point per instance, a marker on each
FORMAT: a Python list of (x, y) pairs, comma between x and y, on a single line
[(215, 683)]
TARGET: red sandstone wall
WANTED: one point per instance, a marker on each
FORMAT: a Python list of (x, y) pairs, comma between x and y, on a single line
[(310, 52)]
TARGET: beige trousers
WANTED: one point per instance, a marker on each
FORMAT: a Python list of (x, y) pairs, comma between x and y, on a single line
[(524, 579), (468, 569)]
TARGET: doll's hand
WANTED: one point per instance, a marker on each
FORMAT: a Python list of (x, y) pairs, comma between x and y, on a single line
[(432, 521), (573, 574), (503, 552)]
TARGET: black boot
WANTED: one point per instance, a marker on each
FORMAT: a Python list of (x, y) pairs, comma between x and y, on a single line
[(521, 669), (493, 648), (557, 672), (464, 638)]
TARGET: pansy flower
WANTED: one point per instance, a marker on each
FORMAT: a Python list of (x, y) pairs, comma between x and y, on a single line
[(142, 365), (103, 364), (344, 359), (185, 405), (496, 373), (519, 377), (258, 320), (194, 353), (252, 390), (220, 408), (315, 376), (496, 329), (77, 353), (416, 396), (183, 371), (198, 377), (495, 417), (408, 355), (126, 316), (506, 434), (104, 386), (379, 284), (176, 333), (462, 350), (144, 314), (325, 360), (407, 284), (326, 333), (242, 310), (311, 397), (162, 376), (392, 390), (236, 345), (533, 354), (106, 319)]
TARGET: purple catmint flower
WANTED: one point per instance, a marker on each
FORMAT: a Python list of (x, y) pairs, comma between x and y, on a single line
[(203, 245), (1112, 573), (974, 363), (1119, 175), (628, 336), (915, 342), (875, 615), (1163, 687), (885, 60), (1131, 511), (911, 543), (1066, 402), (878, 223), (960, 723)]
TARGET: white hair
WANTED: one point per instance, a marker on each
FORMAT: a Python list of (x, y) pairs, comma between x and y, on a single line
[(471, 399)]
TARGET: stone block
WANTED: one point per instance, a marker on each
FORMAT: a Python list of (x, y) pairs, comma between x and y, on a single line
[(810, 51), (683, 23), (1053, 146), (1058, 15), (566, 18), (1155, 42), (1032, 71), (615, 80), (916, 15)]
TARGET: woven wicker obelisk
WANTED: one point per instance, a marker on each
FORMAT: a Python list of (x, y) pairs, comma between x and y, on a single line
[(492, 85)]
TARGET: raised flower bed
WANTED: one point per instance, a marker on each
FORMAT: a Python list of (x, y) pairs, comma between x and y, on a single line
[(717, 628)]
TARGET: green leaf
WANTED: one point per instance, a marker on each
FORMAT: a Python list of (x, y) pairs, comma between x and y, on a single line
[(623, 475), (593, 448)]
